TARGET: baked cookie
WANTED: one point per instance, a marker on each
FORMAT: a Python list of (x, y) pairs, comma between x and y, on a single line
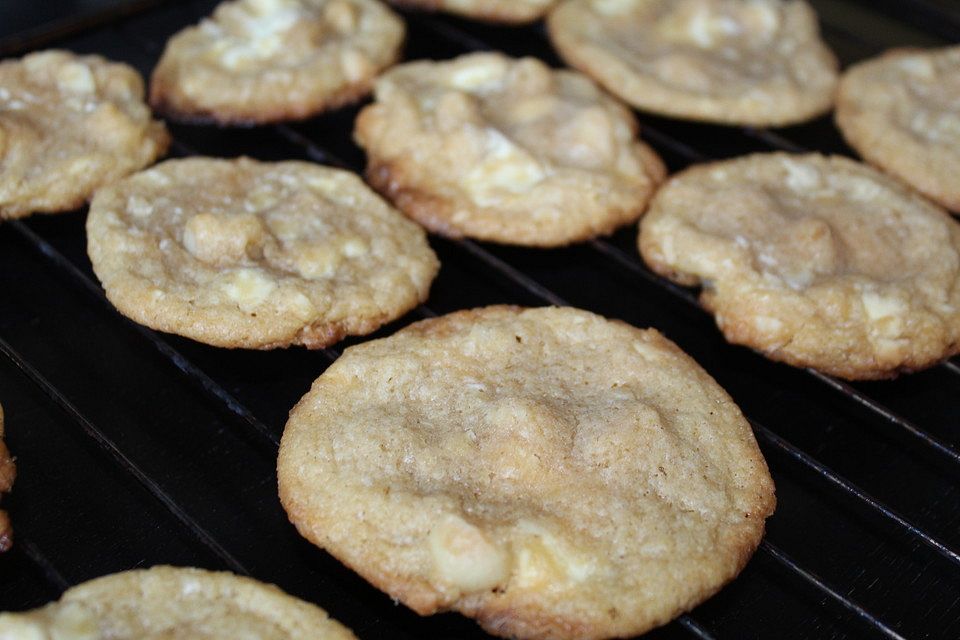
[(502, 11), (747, 62), (817, 261), (8, 472), (68, 125), (901, 112), (258, 255), (506, 150), (172, 603), (257, 61), (546, 471)]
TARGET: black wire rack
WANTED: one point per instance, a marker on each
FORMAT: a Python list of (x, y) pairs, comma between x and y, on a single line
[(137, 448)]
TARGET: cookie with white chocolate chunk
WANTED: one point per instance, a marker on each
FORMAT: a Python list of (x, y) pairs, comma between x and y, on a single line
[(173, 603), (68, 125), (500, 11), (749, 62), (817, 261), (257, 255), (546, 471), (508, 150), (257, 61), (901, 112)]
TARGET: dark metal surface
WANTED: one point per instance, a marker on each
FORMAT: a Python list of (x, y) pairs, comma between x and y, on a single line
[(137, 448)]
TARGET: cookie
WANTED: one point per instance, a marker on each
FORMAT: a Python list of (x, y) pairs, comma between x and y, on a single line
[(736, 62), (70, 124), (546, 471), (258, 61), (816, 261), (507, 150), (901, 112), (239, 253), (8, 472), (500, 11), (173, 603)]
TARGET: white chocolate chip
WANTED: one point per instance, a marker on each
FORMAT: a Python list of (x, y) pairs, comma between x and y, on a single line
[(464, 558), (76, 77), (73, 621), (221, 239), (767, 324), (645, 350), (589, 137), (300, 305), (270, 7), (700, 28), (761, 18), (356, 66), (14, 626), (341, 15), (878, 307), (858, 188), (475, 77), (918, 66), (139, 207), (354, 248), (59, 621), (248, 288), (542, 558), (262, 198), (801, 177), (317, 262), (454, 108), (531, 76), (611, 7), (886, 316), (506, 168)]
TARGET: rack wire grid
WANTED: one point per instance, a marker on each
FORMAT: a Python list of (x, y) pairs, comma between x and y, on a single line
[(138, 448)]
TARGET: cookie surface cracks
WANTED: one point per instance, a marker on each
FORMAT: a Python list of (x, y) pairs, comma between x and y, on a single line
[(504, 149), (172, 603), (68, 125), (256, 61), (901, 112), (751, 62), (816, 261), (257, 255), (548, 472)]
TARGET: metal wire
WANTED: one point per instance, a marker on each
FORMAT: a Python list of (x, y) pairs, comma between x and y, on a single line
[(851, 489), (105, 443), (844, 601), (52, 575)]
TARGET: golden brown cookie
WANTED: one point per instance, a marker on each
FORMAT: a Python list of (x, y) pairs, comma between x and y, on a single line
[(501, 11), (68, 125), (749, 62), (507, 150), (256, 61), (817, 261), (546, 471), (901, 112), (257, 255), (172, 603), (8, 473)]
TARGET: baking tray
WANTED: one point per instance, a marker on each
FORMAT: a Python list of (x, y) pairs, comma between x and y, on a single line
[(137, 448)]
